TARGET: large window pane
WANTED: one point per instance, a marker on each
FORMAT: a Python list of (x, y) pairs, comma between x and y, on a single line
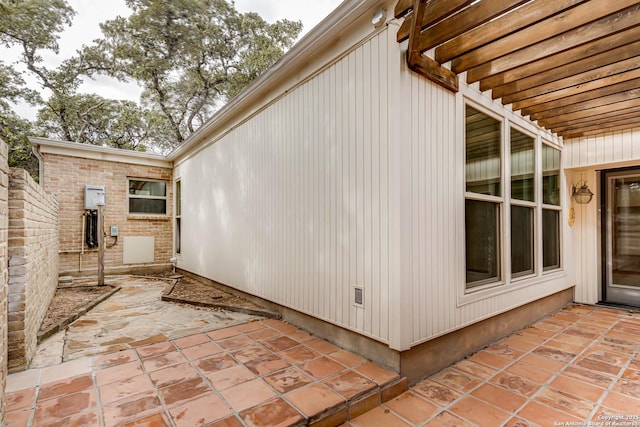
[(147, 206), (482, 153), (550, 175), (550, 239), (147, 188), (522, 166), (521, 241), (482, 225)]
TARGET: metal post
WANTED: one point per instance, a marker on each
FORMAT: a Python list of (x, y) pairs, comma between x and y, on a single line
[(100, 244)]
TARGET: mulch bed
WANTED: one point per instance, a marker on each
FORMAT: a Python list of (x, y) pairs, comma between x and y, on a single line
[(187, 290), (71, 302), (74, 300)]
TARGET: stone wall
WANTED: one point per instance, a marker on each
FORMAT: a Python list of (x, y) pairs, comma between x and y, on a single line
[(66, 177), (33, 263), (4, 273)]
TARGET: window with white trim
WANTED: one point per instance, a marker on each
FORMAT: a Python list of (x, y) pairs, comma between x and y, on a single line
[(484, 201), (550, 207), (508, 195), (147, 197)]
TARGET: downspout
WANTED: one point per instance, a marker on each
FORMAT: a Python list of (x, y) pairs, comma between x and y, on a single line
[(35, 148)]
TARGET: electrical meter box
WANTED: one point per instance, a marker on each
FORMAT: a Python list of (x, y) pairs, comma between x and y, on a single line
[(94, 195)]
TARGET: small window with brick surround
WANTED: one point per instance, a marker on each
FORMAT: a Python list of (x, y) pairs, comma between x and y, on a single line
[(147, 197)]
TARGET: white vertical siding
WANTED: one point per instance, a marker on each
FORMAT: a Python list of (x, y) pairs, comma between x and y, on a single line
[(353, 178), (436, 216), (292, 205), (585, 240), (586, 156), (611, 149)]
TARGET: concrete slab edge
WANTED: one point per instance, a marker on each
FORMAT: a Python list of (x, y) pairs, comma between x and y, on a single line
[(254, 312)]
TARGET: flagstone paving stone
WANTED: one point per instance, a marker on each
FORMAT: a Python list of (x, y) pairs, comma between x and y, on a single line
[(132, 317), (580, 366)]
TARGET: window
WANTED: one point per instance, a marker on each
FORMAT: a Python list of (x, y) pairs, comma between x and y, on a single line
[(147, 197), (550, 207), (523, 190), (178, 215), (516, 196), (483, 205)]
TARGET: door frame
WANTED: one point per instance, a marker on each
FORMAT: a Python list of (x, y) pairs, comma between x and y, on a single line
[(604, 232)]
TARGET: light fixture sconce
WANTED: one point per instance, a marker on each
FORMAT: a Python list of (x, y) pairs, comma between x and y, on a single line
[(582, 195), (379, 17)]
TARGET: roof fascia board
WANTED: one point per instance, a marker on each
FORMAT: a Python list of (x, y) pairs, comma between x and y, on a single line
[(95, 152)]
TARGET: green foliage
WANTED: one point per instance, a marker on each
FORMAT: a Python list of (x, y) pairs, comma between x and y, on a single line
[(189, 56)]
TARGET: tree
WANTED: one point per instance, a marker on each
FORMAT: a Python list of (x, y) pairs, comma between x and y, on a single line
[(189, 56), (33, 26)]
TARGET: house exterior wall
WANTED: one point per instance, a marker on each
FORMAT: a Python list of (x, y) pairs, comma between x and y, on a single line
[(33, 263), (65, 176), (432, 230), (4, 273), (354, 177), (584, 158), (292, 206)]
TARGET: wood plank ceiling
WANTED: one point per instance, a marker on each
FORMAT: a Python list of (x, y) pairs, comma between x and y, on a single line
[(571, 65)]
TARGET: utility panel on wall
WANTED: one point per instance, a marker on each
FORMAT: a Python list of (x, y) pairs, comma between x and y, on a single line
[(137, 249), (93, 196)]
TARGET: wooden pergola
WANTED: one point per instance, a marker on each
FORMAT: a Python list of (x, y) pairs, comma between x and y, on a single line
[(571, 65)]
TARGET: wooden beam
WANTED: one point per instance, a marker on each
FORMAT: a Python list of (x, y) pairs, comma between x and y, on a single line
[(599, 127), (604, 118), (465, 20), (526, 15), (602, 65), (604, 128), (571, 28), (602, 101), (571, 86), (434, 11), (402, 8), (585, 98), (561, 63), (549, 122), (423, 65)]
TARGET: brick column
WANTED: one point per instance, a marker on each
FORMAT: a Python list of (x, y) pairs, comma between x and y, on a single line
[(4, 237)]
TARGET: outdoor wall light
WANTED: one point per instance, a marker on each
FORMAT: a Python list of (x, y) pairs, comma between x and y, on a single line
[(379, 17), (582, 195)]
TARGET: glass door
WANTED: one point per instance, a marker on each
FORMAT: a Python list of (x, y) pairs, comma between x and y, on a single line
[(623, 237)]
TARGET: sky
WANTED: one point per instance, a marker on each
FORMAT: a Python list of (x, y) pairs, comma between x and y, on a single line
[(90, 13)]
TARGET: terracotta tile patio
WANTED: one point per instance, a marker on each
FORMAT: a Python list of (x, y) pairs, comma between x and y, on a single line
[(581, 364), (263, 373)]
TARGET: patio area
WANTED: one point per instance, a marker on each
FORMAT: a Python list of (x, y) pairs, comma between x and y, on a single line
[(265, 373), (581, 364)]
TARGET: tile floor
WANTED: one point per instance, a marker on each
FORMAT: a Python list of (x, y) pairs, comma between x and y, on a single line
[(262, 373), (580, 366)]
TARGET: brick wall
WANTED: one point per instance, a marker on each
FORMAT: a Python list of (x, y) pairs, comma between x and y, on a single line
[(66, 176), (33, 263), (4, 273)]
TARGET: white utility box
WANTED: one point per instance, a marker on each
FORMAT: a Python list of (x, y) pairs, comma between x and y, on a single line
[(94, 195)]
